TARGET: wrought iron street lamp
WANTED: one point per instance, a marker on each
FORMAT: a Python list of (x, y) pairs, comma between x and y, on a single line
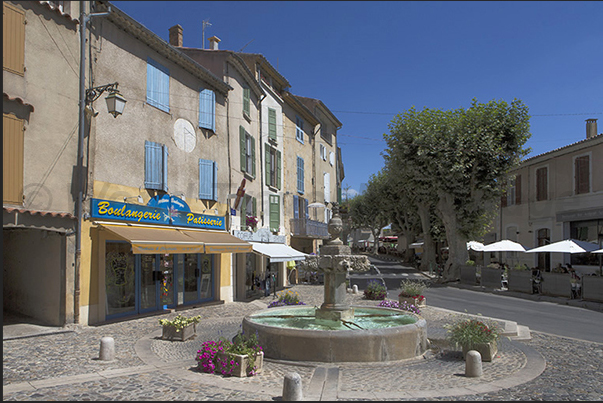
[(115, 101)]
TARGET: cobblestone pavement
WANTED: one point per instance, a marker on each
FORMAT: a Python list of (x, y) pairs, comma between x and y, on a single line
[(65, 366)]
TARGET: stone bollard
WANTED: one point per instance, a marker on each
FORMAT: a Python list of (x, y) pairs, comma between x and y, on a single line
[(107, 349), (473, 364), (355, 289), (292, 387)]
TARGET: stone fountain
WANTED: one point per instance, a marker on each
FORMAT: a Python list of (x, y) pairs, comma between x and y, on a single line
[(336, 331)]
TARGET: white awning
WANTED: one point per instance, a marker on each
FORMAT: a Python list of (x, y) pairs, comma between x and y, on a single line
[(277, 252)]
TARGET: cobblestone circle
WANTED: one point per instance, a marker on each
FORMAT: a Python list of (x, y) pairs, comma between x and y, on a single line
[(574, 368)]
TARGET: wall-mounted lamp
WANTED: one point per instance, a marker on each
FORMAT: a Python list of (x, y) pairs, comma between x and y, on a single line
[(115, 101), (138, 198)]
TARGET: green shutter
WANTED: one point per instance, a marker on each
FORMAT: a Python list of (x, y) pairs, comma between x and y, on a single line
[(252, 157), (244, 213), (254, 206), (274, 213), (278, 169), (246, 94), (242, 141), (267, 164), (272, 123)]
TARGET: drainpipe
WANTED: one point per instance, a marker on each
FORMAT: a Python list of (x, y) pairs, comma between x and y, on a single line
[(80, 156)]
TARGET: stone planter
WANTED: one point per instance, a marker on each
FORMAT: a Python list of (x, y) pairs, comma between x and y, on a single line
[(239, 370), (171, 333), (487, 350), (412, 301)]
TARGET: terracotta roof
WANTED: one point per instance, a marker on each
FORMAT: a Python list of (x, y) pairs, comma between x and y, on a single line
[(598, 136), (41, 213), (18, 100), (58, 11)]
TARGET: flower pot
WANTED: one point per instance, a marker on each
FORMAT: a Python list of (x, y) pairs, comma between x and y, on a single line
[(240, 363), (487, 350), (171, 333), (413, 301)]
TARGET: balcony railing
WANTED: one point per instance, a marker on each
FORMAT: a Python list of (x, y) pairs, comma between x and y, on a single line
[(309, 228)]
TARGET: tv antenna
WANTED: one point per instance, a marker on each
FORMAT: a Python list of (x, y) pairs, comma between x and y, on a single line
[(240, 50), (205, 24)]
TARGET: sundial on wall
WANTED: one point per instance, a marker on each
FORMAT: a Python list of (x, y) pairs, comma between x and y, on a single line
[(184, 135)]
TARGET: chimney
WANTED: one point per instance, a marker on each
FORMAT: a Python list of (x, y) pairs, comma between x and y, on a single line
[(213, 42), (176, 35), (591, 128)]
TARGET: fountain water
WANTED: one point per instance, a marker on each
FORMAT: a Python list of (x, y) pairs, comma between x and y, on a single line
[(337, 332)]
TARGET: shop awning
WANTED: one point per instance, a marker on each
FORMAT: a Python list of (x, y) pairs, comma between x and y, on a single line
[(278, 252), (219, 242), (149, 240)]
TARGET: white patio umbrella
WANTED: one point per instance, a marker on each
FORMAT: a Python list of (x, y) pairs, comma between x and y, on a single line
[(597, 251), (566, 246), (477, 246), (504, 245)]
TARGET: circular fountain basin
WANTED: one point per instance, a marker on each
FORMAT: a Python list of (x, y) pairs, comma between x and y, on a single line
[(292, 333)]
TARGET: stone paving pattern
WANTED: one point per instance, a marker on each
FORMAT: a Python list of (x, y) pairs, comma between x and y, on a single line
[(574, 368)]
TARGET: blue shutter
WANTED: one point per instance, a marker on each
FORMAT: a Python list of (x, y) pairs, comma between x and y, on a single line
[(307, 209), (295, 206), (302, 175), (207, 109), (206, 176), (158, 85), (215, 182), (164, 177), (152, 165)]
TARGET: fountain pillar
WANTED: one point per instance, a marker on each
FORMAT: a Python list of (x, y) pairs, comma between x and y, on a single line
[(334, 262)]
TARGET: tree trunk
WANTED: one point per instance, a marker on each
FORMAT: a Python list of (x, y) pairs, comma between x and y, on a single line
[(457, 243), (429, 253)]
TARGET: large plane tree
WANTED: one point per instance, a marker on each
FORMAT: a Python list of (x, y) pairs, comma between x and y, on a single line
[(459, 160)]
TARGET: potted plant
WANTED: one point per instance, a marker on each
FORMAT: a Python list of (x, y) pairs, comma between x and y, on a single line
[(411, 292), (251, 222), (472, 334), (180, 328), (242, 357), (375, 290)]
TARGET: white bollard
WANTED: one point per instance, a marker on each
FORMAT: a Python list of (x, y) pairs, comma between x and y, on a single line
[(107, 349), (473, 364), (292, 387), (355, 289)]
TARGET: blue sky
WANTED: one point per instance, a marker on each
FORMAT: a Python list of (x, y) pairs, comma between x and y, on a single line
[(368, 61)]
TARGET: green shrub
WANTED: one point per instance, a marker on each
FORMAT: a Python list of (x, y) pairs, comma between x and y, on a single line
[(470, 332), (412, 288)]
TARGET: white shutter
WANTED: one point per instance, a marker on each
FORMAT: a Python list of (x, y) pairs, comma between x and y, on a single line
[(332, 158), (327, 182)]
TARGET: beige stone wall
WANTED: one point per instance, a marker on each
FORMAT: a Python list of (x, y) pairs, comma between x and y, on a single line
[(51, 85)]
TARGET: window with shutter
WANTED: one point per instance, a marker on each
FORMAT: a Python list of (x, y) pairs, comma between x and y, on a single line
[(518, 189), (207, 109), (278, 169), (13, 40), (158, 85), (246, 102), (300, 175), (295, 206), (275, 222), (306, 209), (155, 166), (12, 159), (299, 129), (327, 183), (208, 185), (272, 123), (247, 152), (331, 157), (582, 172), (541, 184)]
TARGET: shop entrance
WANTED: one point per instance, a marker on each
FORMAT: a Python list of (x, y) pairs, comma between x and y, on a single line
[(143, 283)]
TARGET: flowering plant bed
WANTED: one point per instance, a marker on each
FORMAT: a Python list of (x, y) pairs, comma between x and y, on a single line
[(286, 298), (242, 357), (375, 290), (404, 306), (180, 328), (411, 292), (472, 334)]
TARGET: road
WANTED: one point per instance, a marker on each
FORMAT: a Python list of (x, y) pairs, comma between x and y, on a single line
[(541, 316)]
